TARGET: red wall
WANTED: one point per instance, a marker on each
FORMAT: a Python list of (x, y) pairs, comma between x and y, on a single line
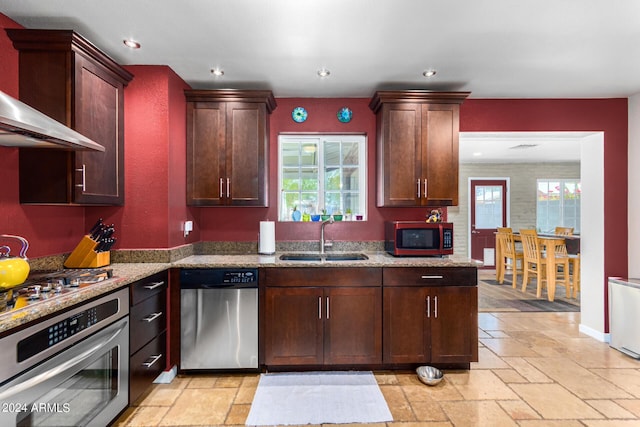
[(155, 159), (242, 223), (49, 229)]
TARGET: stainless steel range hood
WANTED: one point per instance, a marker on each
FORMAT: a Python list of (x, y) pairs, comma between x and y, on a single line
[(24, 126)]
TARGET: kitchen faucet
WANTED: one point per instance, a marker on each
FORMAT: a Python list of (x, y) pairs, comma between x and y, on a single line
[(328, 221)]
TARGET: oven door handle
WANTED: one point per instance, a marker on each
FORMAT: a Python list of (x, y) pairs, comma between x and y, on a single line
[(64, 366)]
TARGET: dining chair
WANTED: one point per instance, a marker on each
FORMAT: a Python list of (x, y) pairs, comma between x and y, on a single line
[(564, 231), (536, 263), (574, 262), (512, 259)]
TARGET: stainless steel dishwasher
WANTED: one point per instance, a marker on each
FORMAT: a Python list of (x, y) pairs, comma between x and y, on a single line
[(219, 318)]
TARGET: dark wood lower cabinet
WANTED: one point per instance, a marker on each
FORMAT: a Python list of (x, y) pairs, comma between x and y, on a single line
[(375, 317), (430, 325), (145, 366), (147, 332), (320, 326)]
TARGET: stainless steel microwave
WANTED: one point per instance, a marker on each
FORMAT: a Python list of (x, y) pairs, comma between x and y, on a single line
[(418, 238)]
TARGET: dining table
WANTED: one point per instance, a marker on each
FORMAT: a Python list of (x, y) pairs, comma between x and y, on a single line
[(549, 242)]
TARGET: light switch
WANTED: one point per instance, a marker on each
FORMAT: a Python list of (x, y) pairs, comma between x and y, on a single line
[(188, 228)]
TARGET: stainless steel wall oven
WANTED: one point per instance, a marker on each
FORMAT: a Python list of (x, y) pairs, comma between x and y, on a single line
[(69, 370)]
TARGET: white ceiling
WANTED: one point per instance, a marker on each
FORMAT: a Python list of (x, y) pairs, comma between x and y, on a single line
[(520, 147), (493, 48)]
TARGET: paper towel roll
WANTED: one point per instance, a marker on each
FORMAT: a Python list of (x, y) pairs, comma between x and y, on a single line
[(267, 238)]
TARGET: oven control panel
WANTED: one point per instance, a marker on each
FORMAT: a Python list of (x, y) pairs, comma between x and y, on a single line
[(63, 329)]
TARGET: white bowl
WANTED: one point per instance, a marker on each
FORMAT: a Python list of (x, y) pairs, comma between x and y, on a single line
[(429, 375)]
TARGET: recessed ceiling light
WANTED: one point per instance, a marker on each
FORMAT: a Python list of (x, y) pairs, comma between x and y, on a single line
[(323, 72), (218, 72), (131, 43), (429, 73), (477, 154)]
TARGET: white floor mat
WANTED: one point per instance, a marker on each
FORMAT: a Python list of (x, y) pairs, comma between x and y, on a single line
[(318, 398)]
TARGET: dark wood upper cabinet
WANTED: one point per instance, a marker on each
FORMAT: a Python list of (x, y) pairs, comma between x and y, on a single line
[(417, 147), (68, 78), (228, 147)]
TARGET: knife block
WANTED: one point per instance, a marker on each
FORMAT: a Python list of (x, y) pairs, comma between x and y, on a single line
[(85, 256)]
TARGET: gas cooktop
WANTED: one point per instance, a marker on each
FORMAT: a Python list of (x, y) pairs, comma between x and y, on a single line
[(45, 286)]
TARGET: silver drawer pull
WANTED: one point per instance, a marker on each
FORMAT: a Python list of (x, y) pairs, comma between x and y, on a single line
[(154, 285), (153, 316), (155, 359), (432, 277)]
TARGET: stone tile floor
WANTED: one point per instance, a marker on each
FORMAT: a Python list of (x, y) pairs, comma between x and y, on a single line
[(535, 370)]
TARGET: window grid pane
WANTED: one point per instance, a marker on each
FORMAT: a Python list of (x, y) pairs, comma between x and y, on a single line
[(322, 173), (558, 204)]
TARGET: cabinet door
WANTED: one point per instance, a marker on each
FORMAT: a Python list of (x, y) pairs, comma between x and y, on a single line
[(353, 323), (406, 328), (293, 330), (99, 114), (246, 152), (399, 155), (439, 146), (206, 155), (454, 324)]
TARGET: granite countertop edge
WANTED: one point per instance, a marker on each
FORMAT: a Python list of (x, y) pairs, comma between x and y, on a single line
[(127, 273)]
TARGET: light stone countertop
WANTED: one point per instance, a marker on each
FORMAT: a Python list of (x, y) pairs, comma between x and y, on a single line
[(126, 273), (376, 259)]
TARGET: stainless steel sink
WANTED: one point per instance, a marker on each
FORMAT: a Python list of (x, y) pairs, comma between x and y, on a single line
[(324, 257), (301, 257), (346, 257)]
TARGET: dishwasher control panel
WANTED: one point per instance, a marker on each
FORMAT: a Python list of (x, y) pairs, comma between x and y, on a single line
[(218, 277)]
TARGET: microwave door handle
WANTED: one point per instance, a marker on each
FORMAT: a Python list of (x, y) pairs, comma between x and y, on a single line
[(61, 368)]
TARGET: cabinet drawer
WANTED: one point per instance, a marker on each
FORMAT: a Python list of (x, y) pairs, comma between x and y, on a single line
[(147, 319), (430, 276), (145, 366), (323, 276), (143, 289)]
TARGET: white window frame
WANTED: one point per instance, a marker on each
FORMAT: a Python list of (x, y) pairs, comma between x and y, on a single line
[(562, 182), (320, 139)]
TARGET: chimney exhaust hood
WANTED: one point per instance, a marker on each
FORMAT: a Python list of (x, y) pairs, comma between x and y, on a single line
[(24, 126)]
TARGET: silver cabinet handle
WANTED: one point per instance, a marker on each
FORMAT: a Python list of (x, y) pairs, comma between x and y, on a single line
[(153, 316), (327, 307), (319, 307), (425, 188), (428, 307), (221, 190), (228, 192), (155, 359), (83, 170), (435, 308), (433, 277), (418, 182), (154, 285)]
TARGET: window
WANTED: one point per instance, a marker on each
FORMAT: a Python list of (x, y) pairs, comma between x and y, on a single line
[(322, 173), (558, 204)]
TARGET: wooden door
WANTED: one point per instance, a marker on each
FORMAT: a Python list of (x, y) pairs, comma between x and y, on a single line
[(488, 204), (399, 151), (294, 326), (405, 327), (353, 325), (440, 124), (99, 115), (246, 154), (454, 324), (206, 176)]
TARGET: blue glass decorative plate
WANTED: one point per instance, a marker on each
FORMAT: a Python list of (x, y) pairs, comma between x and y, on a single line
[(299, 114), (345, 114)]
